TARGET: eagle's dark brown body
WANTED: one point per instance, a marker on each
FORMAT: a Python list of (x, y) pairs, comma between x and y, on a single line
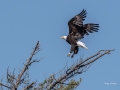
[(73, 43)]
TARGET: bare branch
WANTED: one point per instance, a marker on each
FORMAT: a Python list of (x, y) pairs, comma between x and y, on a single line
[(29, 86), (15, 82), (79, 68), (5, 85), (27, 64)]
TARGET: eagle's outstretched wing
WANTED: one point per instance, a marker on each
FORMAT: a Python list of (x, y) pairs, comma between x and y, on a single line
[(91, 27), (77, 21), (76, 26)]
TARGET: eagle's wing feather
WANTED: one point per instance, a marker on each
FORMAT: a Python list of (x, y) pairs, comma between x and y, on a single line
[(76, 21), (91, 27), (80, 18)]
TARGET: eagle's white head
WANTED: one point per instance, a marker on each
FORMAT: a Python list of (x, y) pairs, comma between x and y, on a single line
[(64, 37)]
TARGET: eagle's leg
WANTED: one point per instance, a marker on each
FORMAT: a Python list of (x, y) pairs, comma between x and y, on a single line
[(72, 55), (71, 50)]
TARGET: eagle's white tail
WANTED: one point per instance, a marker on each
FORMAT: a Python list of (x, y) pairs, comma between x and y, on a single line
[(81, 44)]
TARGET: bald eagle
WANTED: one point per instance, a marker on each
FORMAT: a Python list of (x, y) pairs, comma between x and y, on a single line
[(75, 44), (77, 30)]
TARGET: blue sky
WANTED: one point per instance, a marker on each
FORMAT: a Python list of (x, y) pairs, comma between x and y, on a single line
[(24, 22)]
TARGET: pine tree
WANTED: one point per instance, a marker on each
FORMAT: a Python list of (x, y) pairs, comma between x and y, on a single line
[(65, 80)]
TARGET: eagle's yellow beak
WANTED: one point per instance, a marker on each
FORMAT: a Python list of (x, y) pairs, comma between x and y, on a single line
[(62, 37)]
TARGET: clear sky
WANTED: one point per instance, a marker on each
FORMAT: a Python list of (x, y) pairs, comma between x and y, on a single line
[(24, 22)]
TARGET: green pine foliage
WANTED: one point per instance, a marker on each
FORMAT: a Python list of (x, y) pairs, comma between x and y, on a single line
[(71, 85)]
